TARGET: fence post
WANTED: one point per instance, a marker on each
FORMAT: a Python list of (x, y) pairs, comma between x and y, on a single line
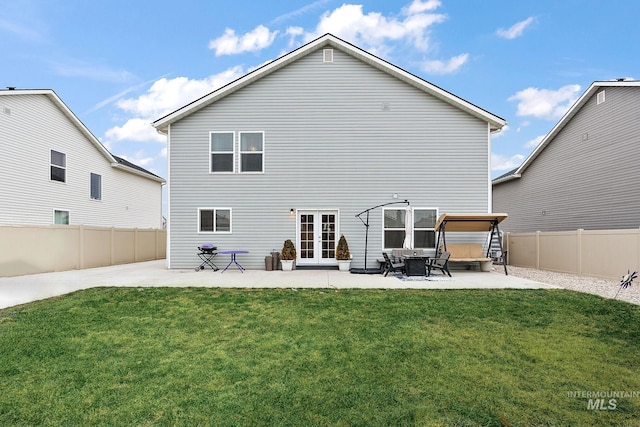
[(112, 252), (135, 244), (538, 250), (579, 248), (81, 243)]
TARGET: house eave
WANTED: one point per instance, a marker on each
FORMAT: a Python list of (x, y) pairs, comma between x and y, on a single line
[(575, 108), (125, 168), (53, 96), (506, 179)]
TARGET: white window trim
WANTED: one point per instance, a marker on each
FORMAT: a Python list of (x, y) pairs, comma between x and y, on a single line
[(214, 220), (240, 152), (413, 209), (395, 208), (61, 167), (90, 187), (233, 152), (53, 215)]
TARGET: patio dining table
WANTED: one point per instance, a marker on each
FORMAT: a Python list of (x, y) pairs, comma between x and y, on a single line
[(233, 260), (415, 264)]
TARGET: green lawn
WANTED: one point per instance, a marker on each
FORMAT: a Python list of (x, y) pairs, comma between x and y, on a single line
[(187, 356)]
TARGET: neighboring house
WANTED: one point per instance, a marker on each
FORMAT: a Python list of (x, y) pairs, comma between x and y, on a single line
[(584, 173), (297, 148), (56, 172)]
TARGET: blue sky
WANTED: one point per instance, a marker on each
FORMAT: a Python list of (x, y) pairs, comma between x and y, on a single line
[(119, 65)]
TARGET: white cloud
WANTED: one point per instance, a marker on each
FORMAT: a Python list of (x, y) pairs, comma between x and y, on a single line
[(372, 30), (500, 162), (253, 41), (502, 132), (134, 130), (166, 95), (418, 6), (445, 67), (515, 30), (301, 11), (545, 103), (163, 97), (534, 142)]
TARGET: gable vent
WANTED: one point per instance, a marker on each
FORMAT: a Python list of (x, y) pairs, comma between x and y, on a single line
[(327, 56), (600, 97)]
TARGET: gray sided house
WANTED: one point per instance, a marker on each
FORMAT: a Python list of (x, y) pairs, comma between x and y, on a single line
[(297, 148), (584, 173), (56, 172)]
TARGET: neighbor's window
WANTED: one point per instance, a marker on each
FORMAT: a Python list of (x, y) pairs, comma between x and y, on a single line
[(393, 228), (58, 166), (221, 152), (251, 151), (61, 217), (424, 232), (96, 186), (214, 220)]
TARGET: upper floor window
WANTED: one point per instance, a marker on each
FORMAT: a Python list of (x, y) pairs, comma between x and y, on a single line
[(251, 151), (214, 220), (96, 186), (221, 152), (58, 166)]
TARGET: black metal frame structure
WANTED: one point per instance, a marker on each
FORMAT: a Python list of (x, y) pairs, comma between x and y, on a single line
[(365, 270)]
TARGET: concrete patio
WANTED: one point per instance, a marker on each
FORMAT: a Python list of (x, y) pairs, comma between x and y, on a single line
[(24, 289)]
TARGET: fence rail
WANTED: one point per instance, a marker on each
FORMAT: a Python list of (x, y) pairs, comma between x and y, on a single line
[(30, 250), (600, 253)]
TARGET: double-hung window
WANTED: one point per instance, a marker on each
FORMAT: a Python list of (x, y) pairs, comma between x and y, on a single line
[(96, 186), (221, 152), (394, 228), (251, 151), (214, 220), (424, 232), (422, 223), (58, 166)]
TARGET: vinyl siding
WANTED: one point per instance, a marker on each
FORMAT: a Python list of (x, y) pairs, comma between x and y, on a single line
[(586, 177), (34, 126), (329, 144)]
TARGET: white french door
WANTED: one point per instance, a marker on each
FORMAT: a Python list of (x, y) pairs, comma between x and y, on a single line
[(317, 237)]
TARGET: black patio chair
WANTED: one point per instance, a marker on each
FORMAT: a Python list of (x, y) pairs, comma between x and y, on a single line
[(391, 265), (439, 263)]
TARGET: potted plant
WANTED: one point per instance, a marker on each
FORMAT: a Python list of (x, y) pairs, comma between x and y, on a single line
[(343, 255), (288, 255)]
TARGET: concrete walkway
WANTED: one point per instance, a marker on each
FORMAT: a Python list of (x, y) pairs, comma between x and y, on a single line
[(24, 289)]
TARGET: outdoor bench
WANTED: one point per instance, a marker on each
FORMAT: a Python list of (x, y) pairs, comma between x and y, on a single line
[(469, 252)]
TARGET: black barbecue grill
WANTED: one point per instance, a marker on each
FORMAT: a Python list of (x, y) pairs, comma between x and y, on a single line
[(207, 254)]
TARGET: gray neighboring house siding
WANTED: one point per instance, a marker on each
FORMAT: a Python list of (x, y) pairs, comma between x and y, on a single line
[(584, 174), (341, 136)]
